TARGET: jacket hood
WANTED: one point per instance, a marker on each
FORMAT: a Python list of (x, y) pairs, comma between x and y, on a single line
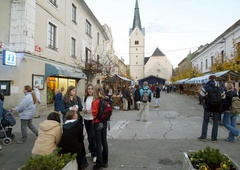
[(69, 124), (47, 125), (145, 87)]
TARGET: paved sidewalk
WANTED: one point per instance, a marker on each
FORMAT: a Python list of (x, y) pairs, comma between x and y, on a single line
[(158, 143)]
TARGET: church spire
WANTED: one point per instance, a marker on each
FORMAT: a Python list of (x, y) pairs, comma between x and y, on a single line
[(136, 19)]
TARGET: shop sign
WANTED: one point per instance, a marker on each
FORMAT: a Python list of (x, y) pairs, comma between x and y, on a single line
[(9, 58), (37, 48)]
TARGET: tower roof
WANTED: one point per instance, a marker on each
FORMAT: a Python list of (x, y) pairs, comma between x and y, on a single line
[(158, 52), (136, 19)]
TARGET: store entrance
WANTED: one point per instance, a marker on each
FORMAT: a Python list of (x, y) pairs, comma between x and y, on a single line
[(54, 83)]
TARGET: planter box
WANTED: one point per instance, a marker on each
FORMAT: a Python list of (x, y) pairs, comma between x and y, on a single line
[(72, 165), (187, 165)]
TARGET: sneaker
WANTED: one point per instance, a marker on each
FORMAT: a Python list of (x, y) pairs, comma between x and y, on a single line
[(236, 138), (88, 155), (138, 119), (37, 116), (105, 165), (144, 120), (20, 142), (94, 159), (202, 139), (97, 167), (227, 140), (214, 140)]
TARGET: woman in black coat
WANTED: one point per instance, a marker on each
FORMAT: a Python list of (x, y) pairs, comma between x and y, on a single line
[(72, 139)]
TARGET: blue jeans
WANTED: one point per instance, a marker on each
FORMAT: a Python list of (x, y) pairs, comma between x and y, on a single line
[(91, 137), (102, 145), (229, 121), (215, 117)]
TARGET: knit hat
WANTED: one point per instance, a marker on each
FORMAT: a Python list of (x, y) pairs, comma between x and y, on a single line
[(212, 77)]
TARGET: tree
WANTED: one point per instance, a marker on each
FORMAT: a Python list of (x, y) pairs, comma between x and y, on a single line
[(230, 64), (103, 65)]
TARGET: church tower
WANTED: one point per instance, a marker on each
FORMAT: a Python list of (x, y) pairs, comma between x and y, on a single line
[(136, 46)]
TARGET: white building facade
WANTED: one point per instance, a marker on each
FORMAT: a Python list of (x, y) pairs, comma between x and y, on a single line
[(223, 46), (52, 40)]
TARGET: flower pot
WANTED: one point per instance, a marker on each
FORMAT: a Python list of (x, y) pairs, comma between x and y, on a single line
[(187, 164), (72, 165)]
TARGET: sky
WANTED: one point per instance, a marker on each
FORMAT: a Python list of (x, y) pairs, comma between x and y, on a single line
[(176, 27)]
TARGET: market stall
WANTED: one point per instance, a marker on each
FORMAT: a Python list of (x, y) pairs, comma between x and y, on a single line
[(117, 83), (192, 85)]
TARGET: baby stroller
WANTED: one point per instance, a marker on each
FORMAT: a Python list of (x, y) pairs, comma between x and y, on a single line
[(6, 128)]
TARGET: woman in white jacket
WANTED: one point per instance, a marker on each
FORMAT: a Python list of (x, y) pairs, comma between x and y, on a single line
[(26, 110)]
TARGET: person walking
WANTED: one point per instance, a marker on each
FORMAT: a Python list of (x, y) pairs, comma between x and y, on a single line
[(145, 97), (26, 110), (212, 94), (229, 119), (126, 98), (72, 140), (49, 135), (100, 130), (57, 100), (87, 116), (71, 102), (38, 97), (157, 96), (137, 97)]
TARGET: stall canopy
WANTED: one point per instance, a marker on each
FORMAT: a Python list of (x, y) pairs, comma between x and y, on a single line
[(152, 80), (221, 76), (116, 78), (59, 70)]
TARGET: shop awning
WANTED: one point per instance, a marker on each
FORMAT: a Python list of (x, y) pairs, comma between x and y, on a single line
[(65, 71), (116, 78)]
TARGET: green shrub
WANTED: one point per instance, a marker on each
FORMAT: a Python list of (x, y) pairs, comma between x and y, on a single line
[(49, 162)]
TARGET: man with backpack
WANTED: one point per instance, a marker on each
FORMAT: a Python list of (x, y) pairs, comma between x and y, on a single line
[(212, 95), (145, 98), (231, 109)]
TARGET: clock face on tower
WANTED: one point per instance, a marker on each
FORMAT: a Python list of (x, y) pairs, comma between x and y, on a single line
[(158, 70)]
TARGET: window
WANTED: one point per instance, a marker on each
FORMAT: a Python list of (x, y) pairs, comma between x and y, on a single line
[(136, 56), (201, 66), (88, 28), (206, 63), (98, 37), (88, 55), (52, 29), (222, 56), (54, 2), (74, 13), (212, 60), (137, 63), (73, 47), (136, 42)]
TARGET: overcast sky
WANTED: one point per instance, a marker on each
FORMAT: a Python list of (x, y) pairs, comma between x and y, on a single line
[(174, 26)]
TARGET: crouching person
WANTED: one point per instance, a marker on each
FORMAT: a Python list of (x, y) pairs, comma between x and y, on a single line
[(49, 135), (72, 139)]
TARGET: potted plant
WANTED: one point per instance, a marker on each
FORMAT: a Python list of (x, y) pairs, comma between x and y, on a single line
[(55, 161), (208, 159)]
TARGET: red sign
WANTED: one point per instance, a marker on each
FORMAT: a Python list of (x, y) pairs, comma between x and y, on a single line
[(37, 48), (0, 44)]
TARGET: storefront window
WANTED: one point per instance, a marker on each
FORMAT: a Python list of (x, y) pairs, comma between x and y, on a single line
[(54, 83)]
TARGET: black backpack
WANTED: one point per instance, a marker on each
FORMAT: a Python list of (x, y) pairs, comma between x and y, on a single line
[(214, 100)]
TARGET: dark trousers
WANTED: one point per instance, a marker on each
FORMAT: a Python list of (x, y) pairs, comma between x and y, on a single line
[(102, 145), (92, 146)]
